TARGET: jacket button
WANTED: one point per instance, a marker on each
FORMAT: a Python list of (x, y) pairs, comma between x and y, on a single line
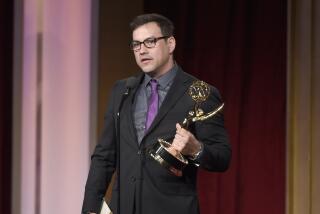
[(133, 179), (139, 152)]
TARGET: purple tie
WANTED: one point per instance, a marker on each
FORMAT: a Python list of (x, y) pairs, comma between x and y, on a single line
[(153, 103)]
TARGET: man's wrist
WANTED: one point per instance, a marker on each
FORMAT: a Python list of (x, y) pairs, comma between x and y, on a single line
[(198, 153)]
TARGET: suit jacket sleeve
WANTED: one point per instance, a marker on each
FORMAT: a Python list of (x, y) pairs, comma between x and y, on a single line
[(103, 160), (216, 152)]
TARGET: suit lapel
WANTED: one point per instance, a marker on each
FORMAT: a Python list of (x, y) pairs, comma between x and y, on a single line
[(178, 88), (129, 108)]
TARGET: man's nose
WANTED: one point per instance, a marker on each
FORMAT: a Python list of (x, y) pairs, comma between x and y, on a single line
[(143, 49)]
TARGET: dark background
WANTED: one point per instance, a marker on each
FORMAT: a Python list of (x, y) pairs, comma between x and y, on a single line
[(6, 91)]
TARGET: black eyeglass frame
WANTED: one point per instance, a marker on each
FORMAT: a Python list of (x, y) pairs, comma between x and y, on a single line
[(153, 40)]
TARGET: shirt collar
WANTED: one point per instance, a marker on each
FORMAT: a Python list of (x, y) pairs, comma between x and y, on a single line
[(164, 80)]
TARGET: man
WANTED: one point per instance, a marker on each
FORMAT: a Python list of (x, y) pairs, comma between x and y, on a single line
[(146, 187)]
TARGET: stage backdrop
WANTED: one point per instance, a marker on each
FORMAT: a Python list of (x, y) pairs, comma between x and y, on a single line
[(239, 46), (303, 130)]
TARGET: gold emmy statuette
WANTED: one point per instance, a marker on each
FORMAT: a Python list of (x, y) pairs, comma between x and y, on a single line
[(199, 91)]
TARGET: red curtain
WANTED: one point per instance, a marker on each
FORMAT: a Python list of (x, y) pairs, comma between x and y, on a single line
[(6, 39), (239, 46)]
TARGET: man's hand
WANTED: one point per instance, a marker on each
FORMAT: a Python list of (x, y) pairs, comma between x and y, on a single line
[(184, 142)]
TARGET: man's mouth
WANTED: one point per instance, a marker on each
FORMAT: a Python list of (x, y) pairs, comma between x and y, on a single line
[(145, 60)]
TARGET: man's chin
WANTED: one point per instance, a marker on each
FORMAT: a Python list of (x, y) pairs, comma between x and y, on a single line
[(147, 70)]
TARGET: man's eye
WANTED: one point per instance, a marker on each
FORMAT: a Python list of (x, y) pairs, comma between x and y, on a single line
[(149, 41), (135, 44)]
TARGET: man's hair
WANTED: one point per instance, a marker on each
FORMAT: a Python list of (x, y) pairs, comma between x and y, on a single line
[(166, 25)]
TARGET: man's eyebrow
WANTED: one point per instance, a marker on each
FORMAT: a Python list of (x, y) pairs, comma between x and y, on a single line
[(151, 37)]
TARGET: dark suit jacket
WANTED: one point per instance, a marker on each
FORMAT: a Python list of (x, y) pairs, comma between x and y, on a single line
[(145, 185)]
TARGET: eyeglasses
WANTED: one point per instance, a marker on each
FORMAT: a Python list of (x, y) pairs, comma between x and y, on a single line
[(148, 43)]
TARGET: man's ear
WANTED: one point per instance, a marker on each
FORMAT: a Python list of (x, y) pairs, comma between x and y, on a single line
[(171, 44)]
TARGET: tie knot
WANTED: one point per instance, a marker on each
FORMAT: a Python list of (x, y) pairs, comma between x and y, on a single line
[(154, 84)]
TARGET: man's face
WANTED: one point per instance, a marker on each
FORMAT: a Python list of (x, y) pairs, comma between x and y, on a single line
[(157, 60)]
